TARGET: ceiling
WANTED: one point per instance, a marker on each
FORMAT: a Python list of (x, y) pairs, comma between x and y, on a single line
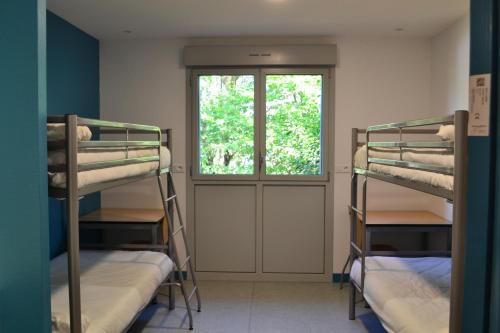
[(118, 19)]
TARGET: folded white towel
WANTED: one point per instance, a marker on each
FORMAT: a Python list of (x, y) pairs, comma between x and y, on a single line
[(57, 132), (446, 132)]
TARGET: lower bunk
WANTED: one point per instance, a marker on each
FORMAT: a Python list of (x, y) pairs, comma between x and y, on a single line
[(408, 295), (115, 287)]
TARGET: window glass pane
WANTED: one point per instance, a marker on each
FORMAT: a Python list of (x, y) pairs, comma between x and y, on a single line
[(293, 124), (226, 124)]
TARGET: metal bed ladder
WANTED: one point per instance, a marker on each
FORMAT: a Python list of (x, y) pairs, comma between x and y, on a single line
[(187, 263)]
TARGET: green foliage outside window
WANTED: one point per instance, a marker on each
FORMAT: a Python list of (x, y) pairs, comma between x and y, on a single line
[(226, 124), (293, 124)]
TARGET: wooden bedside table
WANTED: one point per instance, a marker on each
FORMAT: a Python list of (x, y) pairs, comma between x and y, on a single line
[(131, 219), (401, 221)]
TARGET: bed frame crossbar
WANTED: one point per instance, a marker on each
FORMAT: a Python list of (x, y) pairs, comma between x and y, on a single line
[(413, 123), (417, 186), (412, 144), (412, 165)]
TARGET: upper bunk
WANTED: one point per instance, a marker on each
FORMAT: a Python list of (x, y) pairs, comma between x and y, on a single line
[(98, 154), (422, 157)]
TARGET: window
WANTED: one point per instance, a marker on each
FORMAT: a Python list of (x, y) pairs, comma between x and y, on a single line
[(293, 124), (226, 124), (259, 124)]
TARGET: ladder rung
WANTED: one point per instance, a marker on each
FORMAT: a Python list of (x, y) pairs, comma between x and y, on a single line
[(356, 248), (170, 198), (178, 230), (192, 293), (360, 212), (184, 263)]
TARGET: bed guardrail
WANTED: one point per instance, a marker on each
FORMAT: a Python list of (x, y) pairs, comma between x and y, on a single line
[(415, 128), (401, 144), (162, 137)]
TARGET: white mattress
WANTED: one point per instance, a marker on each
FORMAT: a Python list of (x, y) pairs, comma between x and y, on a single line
[(436, 156), (115, 286), (86, 178), (409, 295)]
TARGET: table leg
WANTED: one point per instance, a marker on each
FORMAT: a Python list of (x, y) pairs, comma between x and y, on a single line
[(368, 239), (425, 240), (154, 234), (448, 239), (171, 279)]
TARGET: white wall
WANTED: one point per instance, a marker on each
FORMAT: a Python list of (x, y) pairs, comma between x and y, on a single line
[(378, 80), (144, 82), (450, 68), (450, 79)]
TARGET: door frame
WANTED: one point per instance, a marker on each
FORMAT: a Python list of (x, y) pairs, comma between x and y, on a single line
[(327, 182)]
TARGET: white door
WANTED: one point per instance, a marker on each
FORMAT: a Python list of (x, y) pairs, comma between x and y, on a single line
[(259, 185)]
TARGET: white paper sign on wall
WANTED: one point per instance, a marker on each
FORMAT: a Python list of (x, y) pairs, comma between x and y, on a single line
[(479, 99)]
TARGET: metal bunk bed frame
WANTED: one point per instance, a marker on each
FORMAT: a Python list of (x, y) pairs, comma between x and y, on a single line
[(72, 194), (457, 196)]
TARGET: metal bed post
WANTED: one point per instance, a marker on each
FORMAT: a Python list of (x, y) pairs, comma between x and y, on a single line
[(354, 217), (459, 220), (170, 209), (72, 218), (363, 245)]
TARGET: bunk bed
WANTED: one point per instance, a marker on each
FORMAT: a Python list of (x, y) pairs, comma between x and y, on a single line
[(109, 286), (411, 293)]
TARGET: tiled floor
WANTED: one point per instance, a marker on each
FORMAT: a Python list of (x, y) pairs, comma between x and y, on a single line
[(262, 307)]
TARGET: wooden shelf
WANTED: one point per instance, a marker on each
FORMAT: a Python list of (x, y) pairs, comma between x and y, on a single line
[(415, 218), (400, 221), (127, 218), (123, 215)]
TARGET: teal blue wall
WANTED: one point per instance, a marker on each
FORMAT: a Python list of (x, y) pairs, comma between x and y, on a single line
[(72, 87), (24, 232), (494, 312), (481, 176), (495, 276)]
